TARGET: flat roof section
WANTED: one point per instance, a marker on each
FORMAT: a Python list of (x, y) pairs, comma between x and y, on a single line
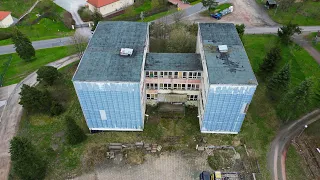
[(173, 62), (102, 60), (231, 67)]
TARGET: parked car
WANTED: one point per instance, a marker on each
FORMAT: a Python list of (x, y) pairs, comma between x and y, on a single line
[(216, 15), (205, 175)]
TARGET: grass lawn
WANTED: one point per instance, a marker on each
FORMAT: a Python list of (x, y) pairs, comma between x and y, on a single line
[(261, 121), (258, 130), (19, 69), (46, 28), (17, 7), (294, 163), (196, 2), (307, 15)]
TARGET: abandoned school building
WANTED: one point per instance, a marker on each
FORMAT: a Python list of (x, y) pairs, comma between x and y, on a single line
[(117, 77)]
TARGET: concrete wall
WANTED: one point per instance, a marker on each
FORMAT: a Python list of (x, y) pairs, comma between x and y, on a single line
[(226, 108), (6, 22), (113, 7), (120, 104)]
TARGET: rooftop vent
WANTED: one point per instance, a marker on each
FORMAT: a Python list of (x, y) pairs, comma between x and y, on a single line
[(126, 52), (223, 48)]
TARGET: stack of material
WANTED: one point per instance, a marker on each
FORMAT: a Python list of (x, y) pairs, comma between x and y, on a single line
[(139, 144), (154, 148), (115, 147)]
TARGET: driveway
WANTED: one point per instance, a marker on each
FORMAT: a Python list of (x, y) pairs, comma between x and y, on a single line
[(247, 12), (278, 149), (12, 112)]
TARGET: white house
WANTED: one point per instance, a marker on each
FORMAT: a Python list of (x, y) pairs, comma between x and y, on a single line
[(5, 19), (106, 7)]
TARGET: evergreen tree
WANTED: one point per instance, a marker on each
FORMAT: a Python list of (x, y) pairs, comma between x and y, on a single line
[(35, 100), (74, 133), (295, 101), (96, 18), (279, 82), (240, 29), (27, 162), (22, 45), (270, 60), (56, 108), (48, 74), (285, 32)]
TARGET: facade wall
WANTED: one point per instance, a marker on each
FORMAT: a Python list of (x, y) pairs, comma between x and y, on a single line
[(111, 105), (6, 22), (226, 108), (110, 8)]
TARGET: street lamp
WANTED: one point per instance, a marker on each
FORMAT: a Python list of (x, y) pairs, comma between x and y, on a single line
[(305, 127), (147, 116)]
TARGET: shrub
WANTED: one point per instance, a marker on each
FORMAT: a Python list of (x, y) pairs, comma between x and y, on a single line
[(4, 35), (85, 13), (68, 20), (56, 109), (75, 134), (27, 162)]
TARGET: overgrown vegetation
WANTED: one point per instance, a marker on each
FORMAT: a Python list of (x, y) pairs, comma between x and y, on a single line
[(47, 74), (74, 133), (294, 164), (23, 45), (176, 38)]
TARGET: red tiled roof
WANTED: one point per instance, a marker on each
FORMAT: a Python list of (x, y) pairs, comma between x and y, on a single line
[(4, 14), (100, 3)]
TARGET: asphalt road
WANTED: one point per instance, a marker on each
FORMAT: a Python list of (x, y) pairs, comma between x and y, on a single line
[(12, 112), (278, 149)]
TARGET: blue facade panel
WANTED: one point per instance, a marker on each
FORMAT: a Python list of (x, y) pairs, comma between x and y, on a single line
[(119, 102), (225, 108)]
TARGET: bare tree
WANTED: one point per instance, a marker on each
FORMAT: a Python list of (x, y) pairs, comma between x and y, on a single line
[(178, 16), (79, 44)]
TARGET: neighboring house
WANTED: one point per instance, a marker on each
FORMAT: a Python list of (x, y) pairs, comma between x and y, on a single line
[(106, 7), (113, 89), (5, 19)]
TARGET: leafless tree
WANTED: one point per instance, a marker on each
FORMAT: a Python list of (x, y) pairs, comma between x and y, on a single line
[(178, 16), (79, 44)]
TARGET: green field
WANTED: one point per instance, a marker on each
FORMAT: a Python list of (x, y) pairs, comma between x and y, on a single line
[(259, 128), (303, 14), (20, 69), (17, 7), (46, 28)]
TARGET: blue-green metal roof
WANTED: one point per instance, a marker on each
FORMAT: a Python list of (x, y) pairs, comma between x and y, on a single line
[(232, 67), (173, 62), (101, 60)]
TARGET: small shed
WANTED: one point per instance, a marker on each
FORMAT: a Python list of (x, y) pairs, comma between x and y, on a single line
[(271, 3)]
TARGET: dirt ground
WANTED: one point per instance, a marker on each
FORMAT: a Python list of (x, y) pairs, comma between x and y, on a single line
[(166, 166), (247, 12)]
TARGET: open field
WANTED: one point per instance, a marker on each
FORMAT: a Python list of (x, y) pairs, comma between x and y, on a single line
[(19, 69), (303, 14), (174, 134), (17, 7), (48, 27)]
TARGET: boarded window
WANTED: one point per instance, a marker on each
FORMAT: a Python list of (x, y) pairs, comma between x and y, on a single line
[(103, 114)]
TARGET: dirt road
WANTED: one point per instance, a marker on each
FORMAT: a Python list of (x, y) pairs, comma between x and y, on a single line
[(247, 12), (277, 152), (12, 112)]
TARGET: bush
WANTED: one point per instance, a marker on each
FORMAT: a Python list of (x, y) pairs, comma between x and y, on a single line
[(85, 13), (68, 20), (27, 162), (75, 134), (56, 109), (5, 35)]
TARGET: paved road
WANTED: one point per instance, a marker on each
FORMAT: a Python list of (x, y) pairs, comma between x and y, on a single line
[(11, 115), (277, 152)]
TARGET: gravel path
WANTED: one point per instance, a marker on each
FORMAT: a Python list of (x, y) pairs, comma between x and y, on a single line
[(167, 166)]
